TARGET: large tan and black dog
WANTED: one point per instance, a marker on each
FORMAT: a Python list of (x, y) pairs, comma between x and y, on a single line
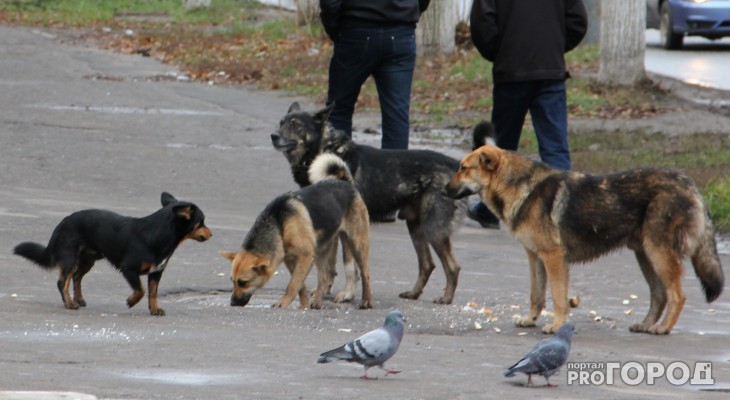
[(301, 228), (563, 217), (408, 181)]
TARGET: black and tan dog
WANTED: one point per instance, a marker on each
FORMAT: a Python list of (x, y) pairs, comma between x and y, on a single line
[(408, 181), (563, 217), (134, 246), (300, 228)]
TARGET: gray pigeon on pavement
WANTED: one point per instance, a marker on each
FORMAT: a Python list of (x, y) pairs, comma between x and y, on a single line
[(546, 357), (373, 348)]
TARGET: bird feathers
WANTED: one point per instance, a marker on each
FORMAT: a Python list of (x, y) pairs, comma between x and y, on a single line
[(547, 356), (373, 348)]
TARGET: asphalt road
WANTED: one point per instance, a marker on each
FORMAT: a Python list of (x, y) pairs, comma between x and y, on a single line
[(83, 128), (700, 62)]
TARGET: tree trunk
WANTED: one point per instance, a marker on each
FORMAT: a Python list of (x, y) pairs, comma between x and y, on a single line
[(307, 12), (437, 27), (622, 41)]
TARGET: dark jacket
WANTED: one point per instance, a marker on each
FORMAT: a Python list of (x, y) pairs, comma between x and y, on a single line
[(527, 39), (369, 13)]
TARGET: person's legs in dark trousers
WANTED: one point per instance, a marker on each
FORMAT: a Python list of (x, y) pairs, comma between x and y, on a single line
[(549, 113), (355, 58), (393, 79), (511, 101)]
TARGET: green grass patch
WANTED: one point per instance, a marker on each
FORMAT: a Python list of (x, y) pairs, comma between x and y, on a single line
[(472, 68), (83, 12), (717, 196), (232, 13), (584, 57)]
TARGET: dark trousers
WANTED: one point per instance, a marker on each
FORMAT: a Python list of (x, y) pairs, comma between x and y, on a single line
[(547, 105), (389, 56)]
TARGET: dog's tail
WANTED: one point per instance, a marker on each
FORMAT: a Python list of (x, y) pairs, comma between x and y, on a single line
[(484, 134), (328, 166), (37, 253), (706, 262)]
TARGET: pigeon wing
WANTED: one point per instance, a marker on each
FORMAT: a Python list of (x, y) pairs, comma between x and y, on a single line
[(368, 349), (547, 355), (524, 364), (551, 357), (376, 347)]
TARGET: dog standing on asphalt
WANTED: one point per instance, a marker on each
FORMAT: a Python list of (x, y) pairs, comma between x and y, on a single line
[(408, 181), (134, 246), (563, 217), (301, 228)]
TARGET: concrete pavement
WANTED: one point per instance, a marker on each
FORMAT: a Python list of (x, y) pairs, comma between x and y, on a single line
[(84, 128)]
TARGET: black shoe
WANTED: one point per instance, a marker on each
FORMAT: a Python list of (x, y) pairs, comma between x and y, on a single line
[(480, 213)]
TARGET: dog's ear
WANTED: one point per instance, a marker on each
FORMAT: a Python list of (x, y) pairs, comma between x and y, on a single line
[(229, 255), (184, 211), (333, 139), (294, 107), (488, 161), (321, 116), (167, 198)]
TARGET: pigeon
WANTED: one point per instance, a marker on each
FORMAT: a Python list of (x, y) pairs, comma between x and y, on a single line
[(546, 357), (373, 348)]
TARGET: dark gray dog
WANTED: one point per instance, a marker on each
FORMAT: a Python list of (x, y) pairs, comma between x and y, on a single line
[(409, 181)]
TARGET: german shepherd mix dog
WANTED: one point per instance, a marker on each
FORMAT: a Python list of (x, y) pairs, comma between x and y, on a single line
[(300, 228), (563, 217), (134, 246), (411, 181)]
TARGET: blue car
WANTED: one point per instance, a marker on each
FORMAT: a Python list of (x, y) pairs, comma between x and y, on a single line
[(676, 19)]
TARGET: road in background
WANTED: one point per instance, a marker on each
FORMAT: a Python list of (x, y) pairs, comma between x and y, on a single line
[(700, 62)]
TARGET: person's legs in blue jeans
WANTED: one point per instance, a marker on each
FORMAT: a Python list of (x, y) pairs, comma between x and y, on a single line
[(549, 113), (354, 59), (393, 79)]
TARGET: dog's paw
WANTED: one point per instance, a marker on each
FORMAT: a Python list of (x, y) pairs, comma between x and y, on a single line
[(411, 295), (159, 312), (72, 306), (344, 297), (134, 299), (81, 302), (551, 328), (315, 305), (442, 300), (639, 328), (657, 329), (284, 304), (366, 304), (524, 322)]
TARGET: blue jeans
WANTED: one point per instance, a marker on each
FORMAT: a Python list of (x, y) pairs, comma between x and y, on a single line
[(546, 102), (389, 56)]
